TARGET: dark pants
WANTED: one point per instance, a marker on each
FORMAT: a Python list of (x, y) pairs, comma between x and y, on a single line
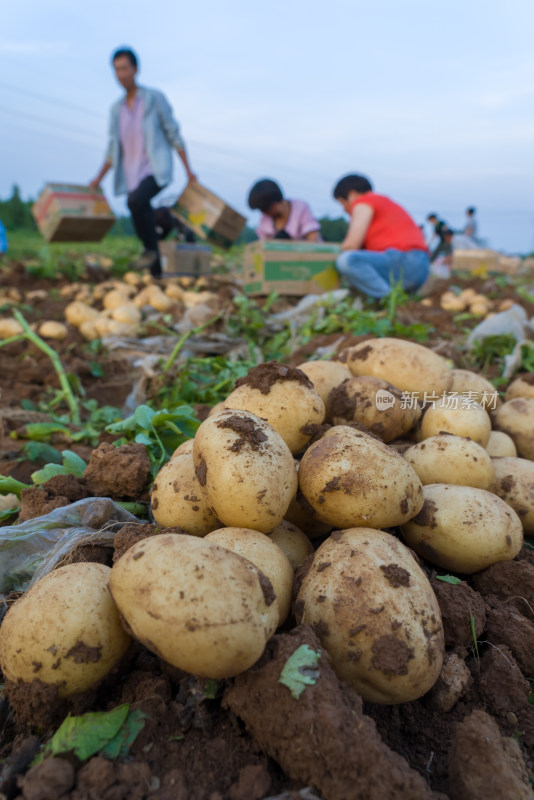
[(143, 213)]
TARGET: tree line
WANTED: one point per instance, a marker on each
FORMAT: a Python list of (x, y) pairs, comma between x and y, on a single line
[(16, 214)]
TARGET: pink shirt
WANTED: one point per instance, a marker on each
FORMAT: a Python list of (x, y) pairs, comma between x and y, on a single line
[(135, 161), (301, 222)]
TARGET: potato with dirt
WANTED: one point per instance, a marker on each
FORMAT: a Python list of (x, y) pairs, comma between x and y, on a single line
[(195, 604), (514, 483), (449, 414), (463, 529), (500, 445), (246, 470), (65, 630), (293, 542), (451, 459), (376, 615), (351, 479), (474, 387), (265, 554), (521, 386), (516, 418), (285, 397), (325, 376), (178, 500), (410, 367), (374, 403)]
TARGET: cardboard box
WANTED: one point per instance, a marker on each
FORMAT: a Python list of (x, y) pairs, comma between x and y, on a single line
[(182, 258), (482, 262), (71, 213), (208, 216), (290, 267)]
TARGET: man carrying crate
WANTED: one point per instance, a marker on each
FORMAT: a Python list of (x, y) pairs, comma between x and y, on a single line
[(143, 134)]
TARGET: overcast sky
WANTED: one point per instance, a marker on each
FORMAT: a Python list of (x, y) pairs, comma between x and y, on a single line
[(432, 101)]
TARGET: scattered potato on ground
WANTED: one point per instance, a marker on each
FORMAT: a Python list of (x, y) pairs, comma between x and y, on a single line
[(178, 500), (514, 483), (522, 386), (447, 415), (500, 444), (52, 330), (516, 418)]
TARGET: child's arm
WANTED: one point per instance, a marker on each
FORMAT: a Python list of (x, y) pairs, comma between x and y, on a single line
[(358, 226)]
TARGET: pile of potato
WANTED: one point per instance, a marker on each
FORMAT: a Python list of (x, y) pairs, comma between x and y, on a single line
[(116, 307), (470, 301), (367, 453)]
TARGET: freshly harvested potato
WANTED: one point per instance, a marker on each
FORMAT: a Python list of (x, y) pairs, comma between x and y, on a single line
[(500, 444), (522, 386), (65, 630), (301, 514), (175, 292), (178, 500), (451, 302), (514, 483), (89, 330), (114, 299), (127, 313), (185, 447), (447, 415), (132, 278), (285, 397), (516, 418), (374, 403), (77, 313), (216, 408), (451, 459), (53, 330), (198, 606), (409, 366), (475, 387), (293, 542), (325, 376), (266, 555), (464, 529), (351, 479), (158, 299), (376, 615), (10, 327), (246, 469)]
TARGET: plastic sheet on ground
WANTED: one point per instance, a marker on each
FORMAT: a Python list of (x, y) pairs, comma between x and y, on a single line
[(32, 549), (513, 322)]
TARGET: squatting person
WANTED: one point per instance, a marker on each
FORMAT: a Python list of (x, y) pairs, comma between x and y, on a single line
[(383, 244), (282, 218), (143, 134)]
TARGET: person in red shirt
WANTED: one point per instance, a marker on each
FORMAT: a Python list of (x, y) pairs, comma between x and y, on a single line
[(383, 244)]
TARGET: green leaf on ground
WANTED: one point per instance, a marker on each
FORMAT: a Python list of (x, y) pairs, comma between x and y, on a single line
[(110, 733), (449, 579), (10, 485), (41, 451), (73, 463), (300, 670)]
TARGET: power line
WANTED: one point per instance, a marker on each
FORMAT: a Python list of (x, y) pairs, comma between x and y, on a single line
[(34, 118), (53, 100)]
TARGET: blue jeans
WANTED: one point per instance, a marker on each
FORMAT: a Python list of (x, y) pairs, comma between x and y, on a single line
[(373, 272)]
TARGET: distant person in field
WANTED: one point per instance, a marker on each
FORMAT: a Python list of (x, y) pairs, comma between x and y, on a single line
[(436, 244), (471, 224), (281, 218), (143, 134), (383, 244)]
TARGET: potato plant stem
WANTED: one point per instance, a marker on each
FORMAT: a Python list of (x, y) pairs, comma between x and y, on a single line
[(56, 362), (183, 339)]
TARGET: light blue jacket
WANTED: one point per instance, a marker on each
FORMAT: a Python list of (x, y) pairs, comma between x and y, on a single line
[(162, 134)]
